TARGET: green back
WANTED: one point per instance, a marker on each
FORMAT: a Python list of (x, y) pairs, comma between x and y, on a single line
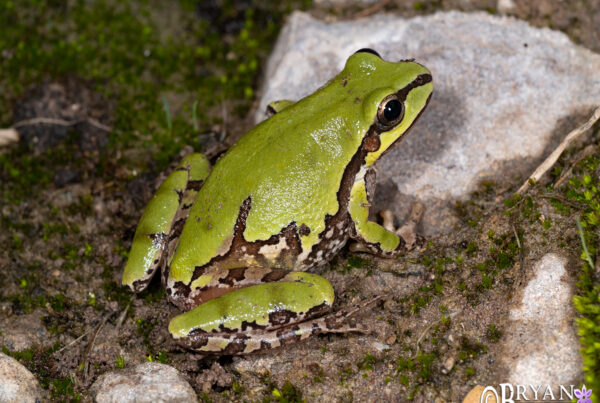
[(290, 165)]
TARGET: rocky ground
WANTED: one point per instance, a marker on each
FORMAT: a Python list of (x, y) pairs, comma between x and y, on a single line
[(505, 291)]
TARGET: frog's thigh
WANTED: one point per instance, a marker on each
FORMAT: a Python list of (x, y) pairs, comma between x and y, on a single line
[(375, 237), (152, 233), (257, 308)]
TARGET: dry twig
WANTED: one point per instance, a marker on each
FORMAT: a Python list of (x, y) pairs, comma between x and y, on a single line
[(60, 122), (552, 158), (90, 345), (372, 9), (586, 152)]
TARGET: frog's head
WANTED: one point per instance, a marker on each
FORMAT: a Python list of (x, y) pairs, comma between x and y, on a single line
[(392, 95)]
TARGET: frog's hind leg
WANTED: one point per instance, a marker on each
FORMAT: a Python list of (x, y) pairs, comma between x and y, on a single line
[(224, 343), (163, 216)]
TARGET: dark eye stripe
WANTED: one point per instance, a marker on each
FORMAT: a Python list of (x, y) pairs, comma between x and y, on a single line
[(421, 80)]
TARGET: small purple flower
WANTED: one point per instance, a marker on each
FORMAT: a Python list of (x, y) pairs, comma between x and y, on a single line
[(583, 395)]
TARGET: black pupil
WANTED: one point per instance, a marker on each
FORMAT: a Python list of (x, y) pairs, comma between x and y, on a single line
[(392, 110)]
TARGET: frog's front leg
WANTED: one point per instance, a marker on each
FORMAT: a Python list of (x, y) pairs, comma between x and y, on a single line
[(159, 220), (372, 237)]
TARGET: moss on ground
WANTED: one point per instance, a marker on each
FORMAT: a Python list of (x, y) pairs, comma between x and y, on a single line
[(584, 188)]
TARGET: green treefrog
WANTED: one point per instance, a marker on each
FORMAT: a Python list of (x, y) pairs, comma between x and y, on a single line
[(233, 242)]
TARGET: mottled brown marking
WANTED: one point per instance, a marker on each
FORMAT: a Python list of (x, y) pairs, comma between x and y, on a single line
[(274, 275), (236, 346), (140, 285), (282, 317), (287, 335), (176, 229), (179, 195), (304, 230), (317, 310), (194, 185), (233, 277), (197, 298), (333, 322), (252, 326)]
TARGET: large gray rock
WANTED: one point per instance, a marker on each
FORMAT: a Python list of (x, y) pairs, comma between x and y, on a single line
[(541, 347), (17, 384), (148, 382), (501, 86)]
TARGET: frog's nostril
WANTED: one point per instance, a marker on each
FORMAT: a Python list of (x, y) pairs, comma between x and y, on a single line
[(368, 50)]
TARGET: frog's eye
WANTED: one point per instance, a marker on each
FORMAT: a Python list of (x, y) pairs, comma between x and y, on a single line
[(368, 50), (390, 112)]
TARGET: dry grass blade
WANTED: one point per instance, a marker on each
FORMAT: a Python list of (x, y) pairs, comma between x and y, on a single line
[(552, 158)]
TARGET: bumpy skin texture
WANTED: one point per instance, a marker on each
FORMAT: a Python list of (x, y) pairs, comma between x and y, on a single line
[(286, 196)]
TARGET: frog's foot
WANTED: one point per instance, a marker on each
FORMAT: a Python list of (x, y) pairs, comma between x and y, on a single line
[(224, 343), (380, 240), (408, 231), (408, 238)]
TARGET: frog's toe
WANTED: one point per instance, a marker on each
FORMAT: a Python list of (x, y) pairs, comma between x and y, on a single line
[(411, 239), (408, 231)]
